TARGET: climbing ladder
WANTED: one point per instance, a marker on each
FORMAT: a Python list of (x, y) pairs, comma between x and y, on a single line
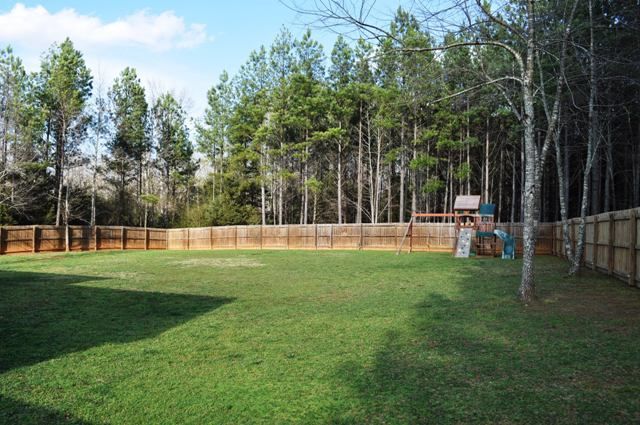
[(463, 246)]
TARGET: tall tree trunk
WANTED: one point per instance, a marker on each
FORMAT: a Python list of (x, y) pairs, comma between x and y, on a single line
[(500, 180), (527, 283), (378, 179), (263, 191), (591, 149), (414, 191), (339, 188), (370, 173), (562, 195), (468, 150), (596, 183), (389, 196), (608, 180), (446, 188), (359, 178), (522, 180), (139, 194), (486, 164), (60, 164), (512, 217), (402, 174), (306, 181), (94, 176)]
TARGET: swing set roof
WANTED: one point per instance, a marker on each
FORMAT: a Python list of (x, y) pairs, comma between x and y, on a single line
[(467, 203)]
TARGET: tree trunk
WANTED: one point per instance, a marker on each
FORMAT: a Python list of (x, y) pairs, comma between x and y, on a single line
[(389, 196), (608, 180), (591, 150), (305, 213), (512, 217), (60, 163), (339, 188), (562, 196), (527, 283), (500, 186), (359, 182), (486, 164), (468, 150), (263, 192), (402, 175), (414, 191)]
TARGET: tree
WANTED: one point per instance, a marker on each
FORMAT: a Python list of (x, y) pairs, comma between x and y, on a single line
[(213, 132), (68, 85), (130, 143), (175, 151)]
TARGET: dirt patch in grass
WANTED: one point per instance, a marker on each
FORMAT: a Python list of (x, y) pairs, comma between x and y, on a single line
[(238, 262)]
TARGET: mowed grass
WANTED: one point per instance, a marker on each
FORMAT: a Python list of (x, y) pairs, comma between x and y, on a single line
[(311, 337)]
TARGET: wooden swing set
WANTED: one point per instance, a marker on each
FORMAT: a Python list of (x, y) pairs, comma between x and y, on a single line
[(469, 215)]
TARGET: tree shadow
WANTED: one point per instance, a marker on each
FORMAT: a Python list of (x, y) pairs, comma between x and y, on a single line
[(17, 412), (44, 315), (482, 357)]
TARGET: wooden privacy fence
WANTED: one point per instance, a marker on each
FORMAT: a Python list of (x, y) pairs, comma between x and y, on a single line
[(15, 239), (434, 237), (612, 243), (612, 240)]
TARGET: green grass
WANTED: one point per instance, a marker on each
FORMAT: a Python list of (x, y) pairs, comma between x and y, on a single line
[(311, 337)]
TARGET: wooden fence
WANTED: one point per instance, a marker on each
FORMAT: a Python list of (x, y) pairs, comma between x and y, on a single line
[(612, 240), (612, 243), (434, 237), (16, 239)]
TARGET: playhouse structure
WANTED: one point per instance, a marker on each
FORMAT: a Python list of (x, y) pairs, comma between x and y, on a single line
[(475, 228)]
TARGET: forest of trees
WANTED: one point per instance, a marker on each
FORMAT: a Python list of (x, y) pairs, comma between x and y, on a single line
[(367, 130)]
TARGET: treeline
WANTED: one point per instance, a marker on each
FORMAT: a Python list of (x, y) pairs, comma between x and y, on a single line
[(365, 132), (75, 152)]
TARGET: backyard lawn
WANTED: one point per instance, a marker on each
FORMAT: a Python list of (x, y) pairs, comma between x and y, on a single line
[(332, 337)]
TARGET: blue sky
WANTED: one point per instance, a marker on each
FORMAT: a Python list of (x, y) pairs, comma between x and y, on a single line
[(179, 46)]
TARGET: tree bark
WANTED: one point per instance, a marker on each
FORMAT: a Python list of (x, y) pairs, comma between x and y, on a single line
[(359, 182), (527, 283), (61, 164), (591, 150), (486, 163)]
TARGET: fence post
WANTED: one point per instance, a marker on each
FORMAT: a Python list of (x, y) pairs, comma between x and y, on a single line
[(2, 249), (34, 239), (96, 229), (596, 236), (331, 236), (288, 236), (67, 239), (210, 237), (315, 234), (261, 236), (361, 243), (121, 238), (146, 239), (235, 238), (612, 224), (633, 229), (188, 239)]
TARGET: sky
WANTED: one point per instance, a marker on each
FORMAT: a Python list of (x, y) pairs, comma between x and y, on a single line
[(181, 46)]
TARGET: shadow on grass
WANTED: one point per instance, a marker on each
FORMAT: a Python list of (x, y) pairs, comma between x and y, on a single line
[(482, 357), (44, 316), (16, 412)]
